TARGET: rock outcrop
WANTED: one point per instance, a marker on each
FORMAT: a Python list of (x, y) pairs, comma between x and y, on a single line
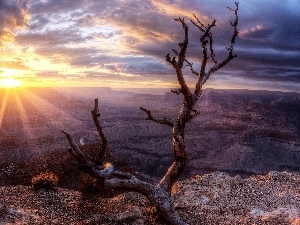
[(218, 198), (211, 199)]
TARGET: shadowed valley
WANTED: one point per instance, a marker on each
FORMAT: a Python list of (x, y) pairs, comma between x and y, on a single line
[(238, 131)]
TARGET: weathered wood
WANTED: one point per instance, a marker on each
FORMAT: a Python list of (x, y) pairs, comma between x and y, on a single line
[(111, 179), (160, 195), (187, 113)]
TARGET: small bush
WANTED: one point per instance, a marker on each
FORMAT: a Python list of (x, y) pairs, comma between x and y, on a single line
[(46, 180)]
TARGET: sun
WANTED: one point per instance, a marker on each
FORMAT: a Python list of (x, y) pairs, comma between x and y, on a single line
[(10, 82)]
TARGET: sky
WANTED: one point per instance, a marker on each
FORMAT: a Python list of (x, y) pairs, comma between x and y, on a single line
[(122, 44)]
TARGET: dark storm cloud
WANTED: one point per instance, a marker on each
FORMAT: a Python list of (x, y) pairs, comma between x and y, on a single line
[(143, 67), (13, 14), (39, 22), (269, 39), (257, 33), (274, 25), (268, 45), (51, 38), (131, 65), (269, 57), (56, 6)]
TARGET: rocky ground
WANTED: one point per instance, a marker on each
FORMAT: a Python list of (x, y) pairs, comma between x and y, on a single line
[(238, 132), (215, 198)]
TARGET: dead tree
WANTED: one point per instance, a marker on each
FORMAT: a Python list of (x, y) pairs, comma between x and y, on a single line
[(160, 194)]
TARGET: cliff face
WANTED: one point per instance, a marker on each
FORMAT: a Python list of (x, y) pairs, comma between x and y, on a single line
[(215, 198), (238, 131)]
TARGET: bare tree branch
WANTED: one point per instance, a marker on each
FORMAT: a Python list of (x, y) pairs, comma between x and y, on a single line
[(202, 27), (104, 147), (188, 63), (161, 120), (75, 150), (156, 195), (203, 42), (181, 59), (176, 91), (160, 195), (193, 115), (211, 50), (186, 112), (191, 67), (202, 79)]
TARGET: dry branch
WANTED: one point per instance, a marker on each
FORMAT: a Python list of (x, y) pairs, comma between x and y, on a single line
[(160, 195), (104, 147), (230, 55), (176, 91), (177, 64), (161, 120), (109, 178)]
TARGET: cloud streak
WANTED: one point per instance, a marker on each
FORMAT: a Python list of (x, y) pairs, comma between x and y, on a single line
[(13, 14), (128, 39)]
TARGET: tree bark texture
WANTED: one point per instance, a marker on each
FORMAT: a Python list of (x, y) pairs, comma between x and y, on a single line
[(160, 195)]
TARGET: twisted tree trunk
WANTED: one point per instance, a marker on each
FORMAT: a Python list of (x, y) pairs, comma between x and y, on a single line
[(160, 195)]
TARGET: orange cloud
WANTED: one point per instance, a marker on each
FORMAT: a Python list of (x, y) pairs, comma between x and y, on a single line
[(13, 14)]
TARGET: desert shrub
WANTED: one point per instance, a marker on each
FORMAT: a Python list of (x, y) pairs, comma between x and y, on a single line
[(45, 180)]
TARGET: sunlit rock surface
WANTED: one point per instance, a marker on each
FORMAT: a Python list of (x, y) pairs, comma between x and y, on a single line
[(215, 198), (218, 198)]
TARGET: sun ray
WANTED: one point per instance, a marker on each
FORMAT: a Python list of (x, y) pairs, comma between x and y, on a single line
[(34, 122), (50, 111), (23, 115), (3, 106)]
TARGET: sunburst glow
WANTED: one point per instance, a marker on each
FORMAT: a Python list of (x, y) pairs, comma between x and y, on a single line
[(10, 82)]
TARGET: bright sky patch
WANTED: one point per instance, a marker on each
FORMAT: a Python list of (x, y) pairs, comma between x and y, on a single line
[(10, 82)]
